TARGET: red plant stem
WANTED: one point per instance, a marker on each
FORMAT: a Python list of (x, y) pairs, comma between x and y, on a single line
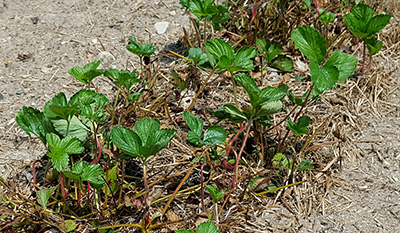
[(234, 138), (254, 11), (316, 5), (196, 29), (62, 185), (79, 196), (88, 190), (277, 130), (99, 147), (33, 171), (238, 157)]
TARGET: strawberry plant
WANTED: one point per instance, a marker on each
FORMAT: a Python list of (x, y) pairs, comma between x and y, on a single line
[(145, 140), (362, 23), (213, 136), (91, 143), (205, 227), (216, 195), (86, 73), (206, 11), (272, 54)]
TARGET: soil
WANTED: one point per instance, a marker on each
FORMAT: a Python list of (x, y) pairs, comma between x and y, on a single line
[(42, 40)]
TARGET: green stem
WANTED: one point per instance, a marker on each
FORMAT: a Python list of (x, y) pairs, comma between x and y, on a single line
[(68, 123)]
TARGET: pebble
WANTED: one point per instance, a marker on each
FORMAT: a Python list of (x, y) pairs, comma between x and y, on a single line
[(1, 97), (19, 92), (106, 59), (173, 13), (161, 27)]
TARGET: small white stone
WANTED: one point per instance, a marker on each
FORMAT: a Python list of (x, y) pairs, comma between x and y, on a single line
[(173, 13), (161, 27)]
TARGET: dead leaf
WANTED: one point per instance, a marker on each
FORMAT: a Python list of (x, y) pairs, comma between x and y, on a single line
[(336, 101), (172, 217)]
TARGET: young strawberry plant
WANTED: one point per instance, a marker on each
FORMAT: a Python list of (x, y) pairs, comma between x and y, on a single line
[(272, 54), (205, 227), (216, 195), (205, 11), (86, 73), (144, 141), (362, 23), (214, 135)]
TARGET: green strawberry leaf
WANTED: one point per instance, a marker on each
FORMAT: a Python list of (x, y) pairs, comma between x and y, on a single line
[(362, 22), (185, 231), (92, 174), (243, 58), (271, 94), (76, 128), (307, 2), (44, 196), (195, 54), (135, 47), (323, 78), (374, 46), (305, 165), (59, 150), (283, 63), (269, 107), (248, 83), (86, 73), (207, 227), (310, 42), (76, 171), (123, 77), (235, 115), (58, 108), (126, 140), (300, 128), (90, 104), (31, 121), (216, 48), (270, 50), (195, 124), (220, 16), (327, 17), (214, 135), (345, 63), (200, 8), (147, 138), (146, 128), (157, 142), (134, 96), (215, 193), (377, 23)]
